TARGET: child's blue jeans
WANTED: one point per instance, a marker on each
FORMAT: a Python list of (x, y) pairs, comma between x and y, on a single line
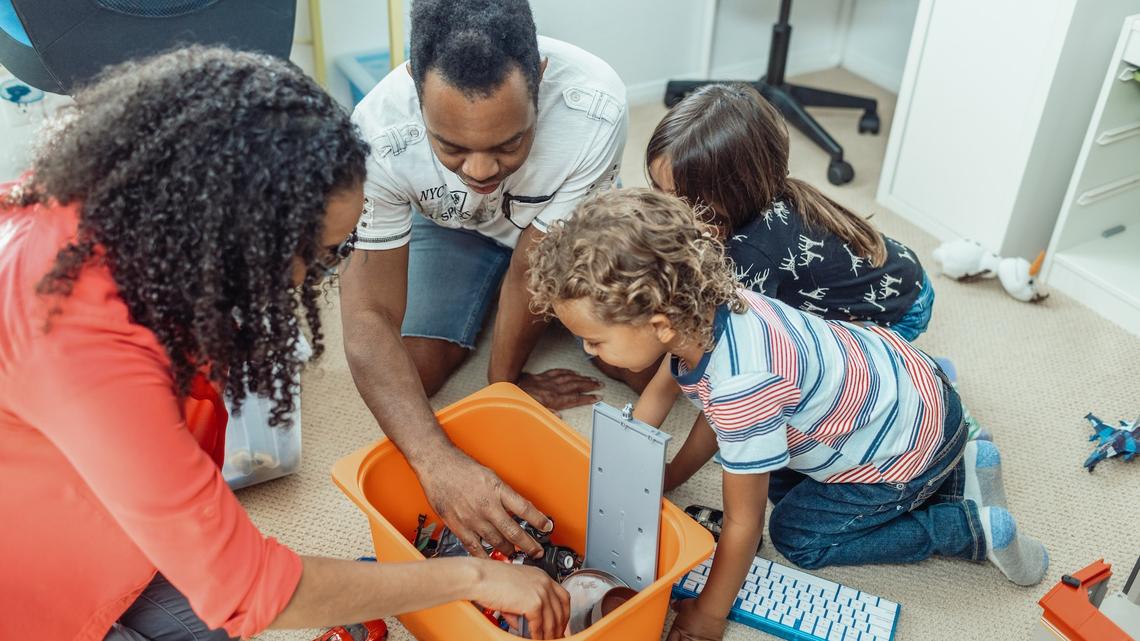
[(817, 524), (917, 318)]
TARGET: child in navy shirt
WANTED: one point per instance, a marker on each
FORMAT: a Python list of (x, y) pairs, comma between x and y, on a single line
[(726, 148)]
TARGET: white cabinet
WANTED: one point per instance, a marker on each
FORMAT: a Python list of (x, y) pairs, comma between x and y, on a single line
[(995, 99), (1095, 252)]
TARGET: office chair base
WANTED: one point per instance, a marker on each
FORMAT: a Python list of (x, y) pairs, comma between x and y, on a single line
[(791, 100)]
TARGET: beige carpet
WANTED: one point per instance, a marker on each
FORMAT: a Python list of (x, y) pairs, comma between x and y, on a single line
[(1029, 372)]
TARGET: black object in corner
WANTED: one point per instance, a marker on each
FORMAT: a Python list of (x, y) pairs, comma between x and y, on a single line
[(791, 99)]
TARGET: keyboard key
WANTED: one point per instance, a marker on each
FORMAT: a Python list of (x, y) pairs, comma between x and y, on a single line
[(807, 623), (880, 612), (878, 621), (789, 620), (691, 586), (822, 627), (836, 633), (881, 633)]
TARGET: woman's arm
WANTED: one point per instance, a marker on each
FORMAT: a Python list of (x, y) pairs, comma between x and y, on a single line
[(333, 591)]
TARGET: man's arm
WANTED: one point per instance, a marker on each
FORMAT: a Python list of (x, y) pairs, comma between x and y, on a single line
[(516, 333), (470, 498), (373, 297)]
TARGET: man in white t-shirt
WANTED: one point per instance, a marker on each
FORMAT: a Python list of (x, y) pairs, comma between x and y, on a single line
[(489, 135)]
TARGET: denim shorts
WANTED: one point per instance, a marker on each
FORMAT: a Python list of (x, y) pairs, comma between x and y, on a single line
[(916, 319), (453, 276)]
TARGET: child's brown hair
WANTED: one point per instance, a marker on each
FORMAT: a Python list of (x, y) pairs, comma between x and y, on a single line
[(635, 253), (727, 148)]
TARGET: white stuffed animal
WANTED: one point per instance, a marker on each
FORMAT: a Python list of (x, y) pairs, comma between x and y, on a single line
[(966, 260)]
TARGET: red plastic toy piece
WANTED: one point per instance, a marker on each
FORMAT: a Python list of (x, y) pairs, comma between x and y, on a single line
[(1069, 611), (368, 631)]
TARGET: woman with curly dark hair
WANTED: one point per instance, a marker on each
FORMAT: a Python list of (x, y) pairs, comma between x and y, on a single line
[(170, 241)]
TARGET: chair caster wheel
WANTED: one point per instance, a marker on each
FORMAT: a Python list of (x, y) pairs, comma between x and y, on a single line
[(840, 172), (869, 123)]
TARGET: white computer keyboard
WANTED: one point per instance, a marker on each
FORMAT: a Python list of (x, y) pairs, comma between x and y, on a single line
[(795, 605)]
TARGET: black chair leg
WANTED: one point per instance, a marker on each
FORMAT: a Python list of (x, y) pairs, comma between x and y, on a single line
[(839, 171), (812, 97)]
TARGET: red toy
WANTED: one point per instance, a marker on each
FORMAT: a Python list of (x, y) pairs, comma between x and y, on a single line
[(368, 631), (1070, 608)]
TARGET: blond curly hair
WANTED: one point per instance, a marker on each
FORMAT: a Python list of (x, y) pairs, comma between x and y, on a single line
[(634, 253)]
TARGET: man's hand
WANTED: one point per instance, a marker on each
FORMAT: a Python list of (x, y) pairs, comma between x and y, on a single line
[(560, 389), (693, 624), (475, 503)]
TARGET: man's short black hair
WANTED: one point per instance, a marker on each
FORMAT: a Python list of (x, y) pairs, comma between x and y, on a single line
[(474, 44)]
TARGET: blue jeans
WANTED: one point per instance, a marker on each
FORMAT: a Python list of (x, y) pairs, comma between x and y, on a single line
[(916, 319), (817, 524), (453, 275), (161, 613)]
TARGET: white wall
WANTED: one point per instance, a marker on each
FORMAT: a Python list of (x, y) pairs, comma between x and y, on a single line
[(351, 26), (648, 42), (744, 35), (878, 37)]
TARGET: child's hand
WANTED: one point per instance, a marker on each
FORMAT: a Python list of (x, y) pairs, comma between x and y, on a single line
[(693, 624)]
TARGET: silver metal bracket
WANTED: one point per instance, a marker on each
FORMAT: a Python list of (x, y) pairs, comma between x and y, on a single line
[(627, 472)]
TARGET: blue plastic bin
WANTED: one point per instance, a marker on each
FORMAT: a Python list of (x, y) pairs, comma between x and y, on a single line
[(364, 70)]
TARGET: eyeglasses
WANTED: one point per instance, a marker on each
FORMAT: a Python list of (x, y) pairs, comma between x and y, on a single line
[(337, 258)]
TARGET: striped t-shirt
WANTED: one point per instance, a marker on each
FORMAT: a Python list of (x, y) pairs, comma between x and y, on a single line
[(841, 403)]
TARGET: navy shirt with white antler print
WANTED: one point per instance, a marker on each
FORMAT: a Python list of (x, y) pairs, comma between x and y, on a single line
[(812, 269)]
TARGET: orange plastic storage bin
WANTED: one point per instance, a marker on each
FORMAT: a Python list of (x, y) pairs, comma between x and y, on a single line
[(545, 460)]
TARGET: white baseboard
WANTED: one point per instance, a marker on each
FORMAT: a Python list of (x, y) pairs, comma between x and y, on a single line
[(799, 62), (646, 92), (886, 75)]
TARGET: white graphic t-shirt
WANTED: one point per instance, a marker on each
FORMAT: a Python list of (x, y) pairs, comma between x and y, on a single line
[(579, 138)]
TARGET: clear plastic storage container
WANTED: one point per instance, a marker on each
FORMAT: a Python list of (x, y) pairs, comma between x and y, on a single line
[(256, 452)]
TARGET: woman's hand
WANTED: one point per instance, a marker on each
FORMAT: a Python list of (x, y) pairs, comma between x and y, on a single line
[(693, 624), (526, 591)]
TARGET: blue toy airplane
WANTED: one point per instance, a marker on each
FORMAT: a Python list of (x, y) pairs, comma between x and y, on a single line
[(1111, 441)]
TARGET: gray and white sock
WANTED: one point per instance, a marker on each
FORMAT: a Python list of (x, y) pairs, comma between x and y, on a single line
[(1020, 558)]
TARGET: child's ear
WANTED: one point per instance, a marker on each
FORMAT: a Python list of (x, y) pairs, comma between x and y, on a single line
[(662, 327)]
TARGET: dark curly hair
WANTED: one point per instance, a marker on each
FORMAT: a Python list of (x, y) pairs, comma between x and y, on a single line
[(474, 44), (201, 173)]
